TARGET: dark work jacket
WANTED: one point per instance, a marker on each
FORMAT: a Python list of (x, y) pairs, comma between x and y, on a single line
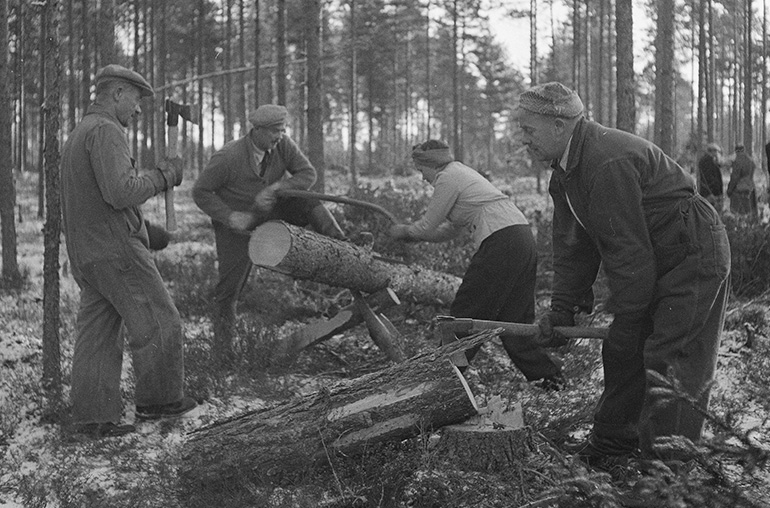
[(628, 196), (710, 177), (231, 180)]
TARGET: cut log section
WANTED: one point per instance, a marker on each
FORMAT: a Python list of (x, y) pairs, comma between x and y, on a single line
[(382, 334), (277, 444), (319, 330), (494, 440), (303, 254)]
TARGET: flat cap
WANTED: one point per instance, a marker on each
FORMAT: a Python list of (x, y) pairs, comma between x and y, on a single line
[(115, 72), (269, 115), (551, 99)]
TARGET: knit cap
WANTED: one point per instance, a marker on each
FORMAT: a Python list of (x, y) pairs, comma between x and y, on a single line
[(551, 99)]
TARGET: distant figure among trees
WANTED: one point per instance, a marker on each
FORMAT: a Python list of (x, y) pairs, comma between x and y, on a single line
[(741, 190), (710, 184)]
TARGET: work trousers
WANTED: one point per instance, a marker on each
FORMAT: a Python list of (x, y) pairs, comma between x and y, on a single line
[(499, 285), (678, 335), (124, 294)]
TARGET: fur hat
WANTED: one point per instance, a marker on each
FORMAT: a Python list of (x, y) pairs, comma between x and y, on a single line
[(269, 115), (551, 99), (115, 72)]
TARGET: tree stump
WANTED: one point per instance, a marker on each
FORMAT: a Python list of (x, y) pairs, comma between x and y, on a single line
[(306, 255), (278, 444), (491, 441)]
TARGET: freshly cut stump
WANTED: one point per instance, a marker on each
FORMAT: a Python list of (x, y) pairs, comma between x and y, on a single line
[(494, 440)]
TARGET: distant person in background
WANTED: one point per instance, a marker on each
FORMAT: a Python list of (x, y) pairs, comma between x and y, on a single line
[(710, 184), (238, 190), (499, 284), (619, 202), (109, 244), (741, 189)]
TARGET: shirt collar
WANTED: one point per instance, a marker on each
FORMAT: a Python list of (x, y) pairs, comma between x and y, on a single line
[(565, 156)]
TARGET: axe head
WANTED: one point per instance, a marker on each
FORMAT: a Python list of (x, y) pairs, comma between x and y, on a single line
[(174, 110)]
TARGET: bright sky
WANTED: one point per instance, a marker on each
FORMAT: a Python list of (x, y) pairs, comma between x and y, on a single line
[(514, 33)]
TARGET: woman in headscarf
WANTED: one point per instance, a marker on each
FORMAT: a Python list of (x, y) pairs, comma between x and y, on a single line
[(499, 284)]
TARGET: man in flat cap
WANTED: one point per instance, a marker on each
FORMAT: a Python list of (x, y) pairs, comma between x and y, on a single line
[(619, 201), (109, 250), (238, 190)]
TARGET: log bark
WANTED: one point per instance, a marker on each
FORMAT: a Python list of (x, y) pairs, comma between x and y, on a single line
[(320, 330), (303, 254), (285, 441)]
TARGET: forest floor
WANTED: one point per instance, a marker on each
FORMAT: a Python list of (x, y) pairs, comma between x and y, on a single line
[(42, 466)]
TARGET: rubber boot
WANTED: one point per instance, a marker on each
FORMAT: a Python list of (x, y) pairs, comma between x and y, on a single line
[(324, 222)]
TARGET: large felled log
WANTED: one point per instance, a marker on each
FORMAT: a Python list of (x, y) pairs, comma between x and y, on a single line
[(424, 393), (306, 255)]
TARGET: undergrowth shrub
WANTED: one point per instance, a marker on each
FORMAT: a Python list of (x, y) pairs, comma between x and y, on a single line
[(750, 253)]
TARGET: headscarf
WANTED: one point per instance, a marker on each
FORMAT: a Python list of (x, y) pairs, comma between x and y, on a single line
[(432, 157)]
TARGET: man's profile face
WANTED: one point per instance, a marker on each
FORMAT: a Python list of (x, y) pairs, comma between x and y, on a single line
[(543, 136), (265, 138), (127, 98)]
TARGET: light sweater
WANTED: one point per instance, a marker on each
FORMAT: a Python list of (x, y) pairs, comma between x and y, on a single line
[(462, 198)]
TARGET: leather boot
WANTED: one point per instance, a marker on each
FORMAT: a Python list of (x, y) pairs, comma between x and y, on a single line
[(324, 222)]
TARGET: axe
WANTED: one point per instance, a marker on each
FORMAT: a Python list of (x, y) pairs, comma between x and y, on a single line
[(447, 328), (173, 112)]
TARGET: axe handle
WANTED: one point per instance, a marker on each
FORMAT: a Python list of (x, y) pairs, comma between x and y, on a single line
[(169, 194)]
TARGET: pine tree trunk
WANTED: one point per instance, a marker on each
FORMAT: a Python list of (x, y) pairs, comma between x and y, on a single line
[(52, 227), (315, 131), (10, 271), (626, 105)]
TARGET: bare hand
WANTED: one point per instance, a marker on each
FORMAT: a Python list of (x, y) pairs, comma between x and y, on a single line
[(266, 199), (172, 170), (240, 221)]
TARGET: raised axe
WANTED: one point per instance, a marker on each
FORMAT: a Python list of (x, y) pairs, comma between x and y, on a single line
[(448, 328), (189, 113)]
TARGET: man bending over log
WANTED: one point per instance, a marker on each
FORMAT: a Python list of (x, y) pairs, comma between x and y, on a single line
[(500, 281), (238, 190)]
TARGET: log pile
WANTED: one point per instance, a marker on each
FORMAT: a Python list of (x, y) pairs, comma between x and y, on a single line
[(278, 444)]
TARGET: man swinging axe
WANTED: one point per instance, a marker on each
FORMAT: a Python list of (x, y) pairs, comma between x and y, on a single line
[(173, 112)]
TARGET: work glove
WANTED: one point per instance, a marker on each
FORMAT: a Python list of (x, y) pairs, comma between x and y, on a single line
[(158, 236), (172, 170), (548, 337), (241, 221), (267, 198)]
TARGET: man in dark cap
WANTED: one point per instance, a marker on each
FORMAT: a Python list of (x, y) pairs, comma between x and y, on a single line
[(619, 201), (710, 184), (741, 189), (109, 250), (238, 190)]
